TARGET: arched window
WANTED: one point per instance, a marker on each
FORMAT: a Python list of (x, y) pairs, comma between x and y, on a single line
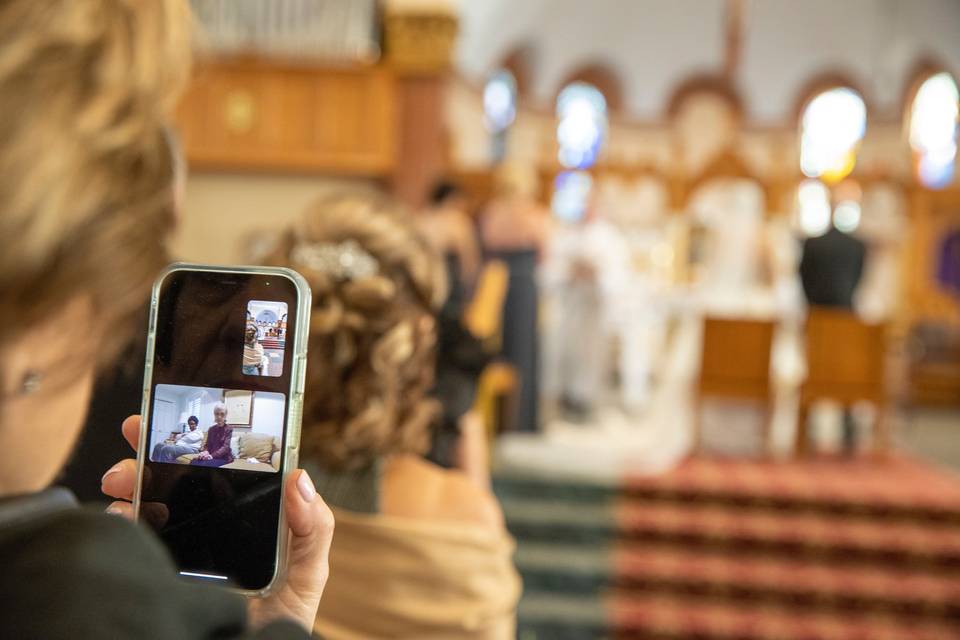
[(582, 127), (499, 109), (831, 129), (933, 130)]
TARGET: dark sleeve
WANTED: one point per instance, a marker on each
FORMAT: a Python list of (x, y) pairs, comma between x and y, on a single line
[(861, 258), (223, 451), (80, 574), (805, 265)]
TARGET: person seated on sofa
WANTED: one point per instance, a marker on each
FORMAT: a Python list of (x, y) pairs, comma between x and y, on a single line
[(216, 452), (87, 195), (183, 443), (432, 538)]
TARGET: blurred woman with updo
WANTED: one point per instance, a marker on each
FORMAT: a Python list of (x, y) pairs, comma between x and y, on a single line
[(420, 551)]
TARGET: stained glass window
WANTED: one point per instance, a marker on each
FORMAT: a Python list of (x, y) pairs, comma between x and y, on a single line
[(831, 129), (500, 101), (933, 130), (582, 115), (499, 110)]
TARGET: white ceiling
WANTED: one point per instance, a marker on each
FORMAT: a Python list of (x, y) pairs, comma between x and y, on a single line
[(653, 45)]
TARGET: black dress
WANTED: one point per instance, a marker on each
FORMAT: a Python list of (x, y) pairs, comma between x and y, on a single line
[(520, 341), (460, 360)]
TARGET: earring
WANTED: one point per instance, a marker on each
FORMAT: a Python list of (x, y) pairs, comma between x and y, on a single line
[(30, 383)]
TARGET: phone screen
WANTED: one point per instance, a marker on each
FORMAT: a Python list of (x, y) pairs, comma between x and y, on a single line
[(221, 384)]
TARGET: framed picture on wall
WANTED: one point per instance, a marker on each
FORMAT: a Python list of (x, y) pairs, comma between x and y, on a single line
[(239, 407)]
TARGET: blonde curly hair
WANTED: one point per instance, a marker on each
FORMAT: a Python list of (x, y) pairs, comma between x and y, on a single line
[(86, 173), (372, 336)]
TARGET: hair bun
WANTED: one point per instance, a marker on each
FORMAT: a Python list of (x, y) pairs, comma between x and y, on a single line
[(326, 316), (369, 294)]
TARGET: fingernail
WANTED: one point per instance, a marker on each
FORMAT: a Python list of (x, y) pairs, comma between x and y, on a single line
[(114, 469), (114, 511), (306, 488)]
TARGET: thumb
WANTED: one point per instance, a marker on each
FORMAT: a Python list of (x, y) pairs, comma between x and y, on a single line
[(311, 528), (311, 533)]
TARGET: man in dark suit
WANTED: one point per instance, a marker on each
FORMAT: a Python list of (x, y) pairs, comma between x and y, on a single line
[(830, 269)]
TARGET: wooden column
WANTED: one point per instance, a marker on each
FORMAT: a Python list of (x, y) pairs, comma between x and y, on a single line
[(419, 46)]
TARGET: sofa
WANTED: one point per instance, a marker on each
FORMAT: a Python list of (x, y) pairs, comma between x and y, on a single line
[(246, 446)]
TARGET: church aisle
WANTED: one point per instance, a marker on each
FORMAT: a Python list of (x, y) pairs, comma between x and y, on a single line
[(825, 548)]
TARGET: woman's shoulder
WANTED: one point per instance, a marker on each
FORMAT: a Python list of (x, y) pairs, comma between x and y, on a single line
[(415, 488)]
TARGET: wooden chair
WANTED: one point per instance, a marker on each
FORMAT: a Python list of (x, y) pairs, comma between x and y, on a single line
[(497, 398), (846, 360), (498, 387), (484, 315), (735, 363)]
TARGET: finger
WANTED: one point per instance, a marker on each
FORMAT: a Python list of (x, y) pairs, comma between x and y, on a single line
[(311, 527), (119, 480), (154, 513), (122, 509), (307, 514), (131, 430)]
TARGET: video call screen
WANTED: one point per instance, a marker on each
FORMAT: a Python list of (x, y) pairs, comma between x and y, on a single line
[(232, 428), (221, 375), (264, 338)]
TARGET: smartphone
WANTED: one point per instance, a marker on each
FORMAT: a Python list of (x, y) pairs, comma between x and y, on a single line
[(222, 400)]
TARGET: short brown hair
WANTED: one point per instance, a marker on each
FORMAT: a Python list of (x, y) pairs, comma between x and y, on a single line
[(372, 337), (86, 172)]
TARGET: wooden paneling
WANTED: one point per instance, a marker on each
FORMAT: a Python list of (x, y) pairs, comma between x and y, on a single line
[(931, 313), (421, 140), (934, 214), (260, 116)]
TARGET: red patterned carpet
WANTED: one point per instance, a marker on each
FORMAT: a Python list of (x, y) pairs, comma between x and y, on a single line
[(819, 549)]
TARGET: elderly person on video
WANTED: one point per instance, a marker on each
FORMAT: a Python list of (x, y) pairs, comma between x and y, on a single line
[(183, 443), (217, 450)]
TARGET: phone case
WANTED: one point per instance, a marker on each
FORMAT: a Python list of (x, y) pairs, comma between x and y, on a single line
[(294, 407)]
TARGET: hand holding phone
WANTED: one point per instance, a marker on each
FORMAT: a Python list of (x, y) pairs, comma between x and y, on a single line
[(226, 356), (311, 527)]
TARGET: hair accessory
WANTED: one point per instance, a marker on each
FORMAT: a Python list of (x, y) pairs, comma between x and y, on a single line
[(346, 260)]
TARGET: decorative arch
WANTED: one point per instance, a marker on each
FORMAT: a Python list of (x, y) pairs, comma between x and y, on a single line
[(920, 72), (521, 61), (728, 166), (824, 82), (602, 76), (705, 83)]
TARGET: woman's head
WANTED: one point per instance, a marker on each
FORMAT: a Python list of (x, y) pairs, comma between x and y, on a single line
[(193, 422), (220, 413), (86, 195), (375, 287)]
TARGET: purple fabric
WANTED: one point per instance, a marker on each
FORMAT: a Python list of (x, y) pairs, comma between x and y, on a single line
[(218, 443), (948, 263)]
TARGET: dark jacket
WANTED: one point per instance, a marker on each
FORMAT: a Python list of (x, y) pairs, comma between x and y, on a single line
[(73, 573), (831, 268)]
